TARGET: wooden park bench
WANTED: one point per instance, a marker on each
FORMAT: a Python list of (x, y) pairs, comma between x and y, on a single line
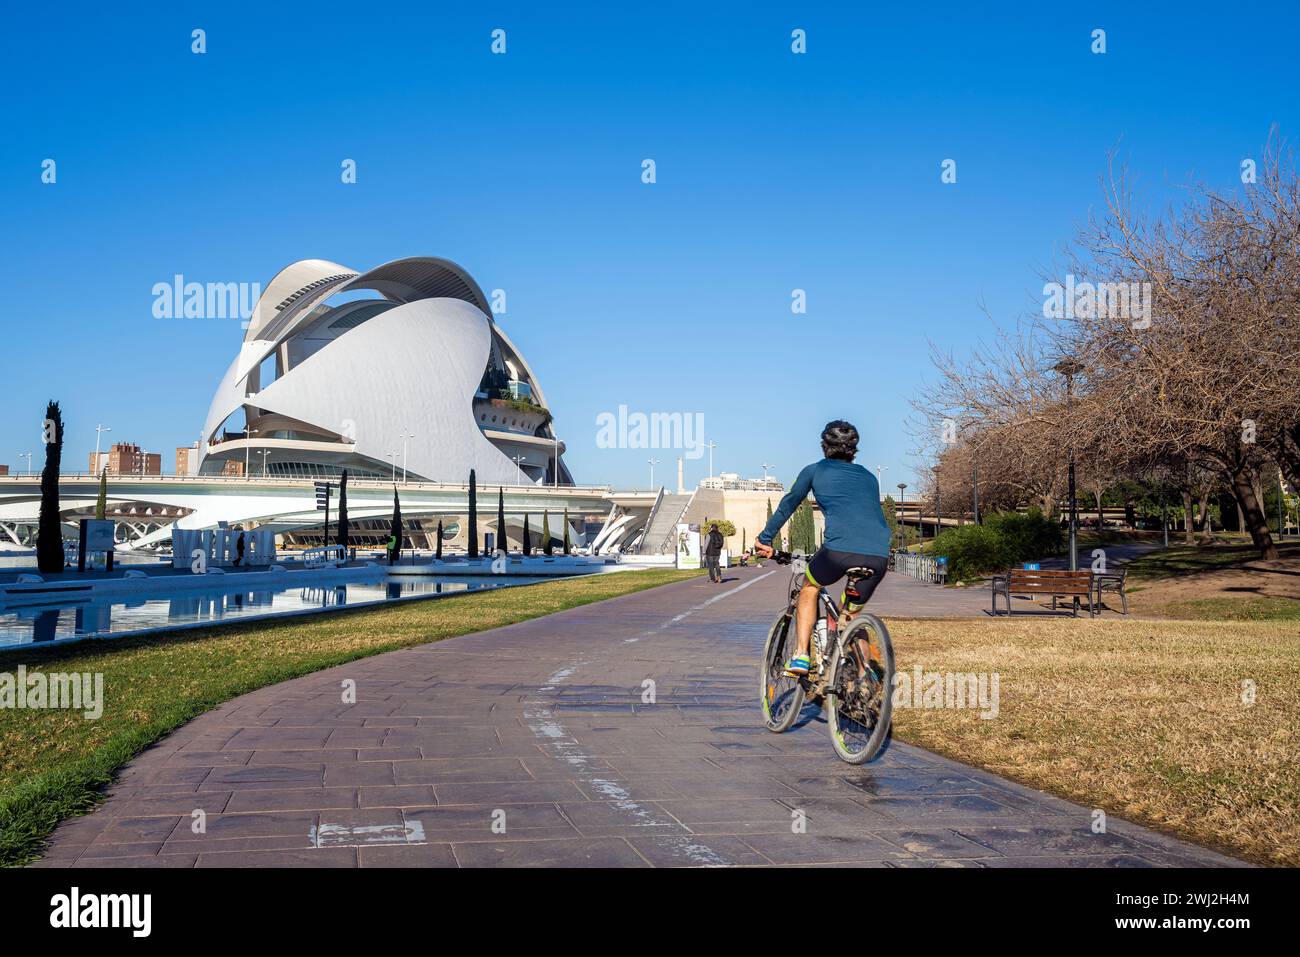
[(1038, 583)]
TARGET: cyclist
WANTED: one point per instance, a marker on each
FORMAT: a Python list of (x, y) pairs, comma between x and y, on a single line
[(856, 531)]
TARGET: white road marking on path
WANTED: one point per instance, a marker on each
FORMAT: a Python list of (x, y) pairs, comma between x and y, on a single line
[(343, 835), (541, 721), (700, 607)]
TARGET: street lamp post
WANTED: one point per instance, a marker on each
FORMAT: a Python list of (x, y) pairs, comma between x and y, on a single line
[(29, 461), (1281, 503), (263, 453), (1070, 367), (98, 429), (653, 463), (902, 539), (765, 469), (975, 490), (393, 454), (248, 434), (938, 505), (710, 445), (405, 435)]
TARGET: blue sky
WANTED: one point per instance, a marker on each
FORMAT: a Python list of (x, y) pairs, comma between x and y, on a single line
[(775, 172)]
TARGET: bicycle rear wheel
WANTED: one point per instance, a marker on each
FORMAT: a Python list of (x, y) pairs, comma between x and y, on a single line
[(782, 695), (859, 704)]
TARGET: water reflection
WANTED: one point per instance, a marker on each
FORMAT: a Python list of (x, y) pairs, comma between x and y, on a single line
[(30, 624)]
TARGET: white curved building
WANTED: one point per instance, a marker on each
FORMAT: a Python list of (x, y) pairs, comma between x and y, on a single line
[(401, 366)]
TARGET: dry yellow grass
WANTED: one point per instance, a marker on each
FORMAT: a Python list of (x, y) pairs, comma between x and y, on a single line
[(1143, 719)]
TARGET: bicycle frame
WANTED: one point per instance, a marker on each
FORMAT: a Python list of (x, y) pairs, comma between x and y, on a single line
[(827, 607)]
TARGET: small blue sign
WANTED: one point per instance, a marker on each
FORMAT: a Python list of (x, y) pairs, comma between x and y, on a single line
[(942, 560), (1033, 567)]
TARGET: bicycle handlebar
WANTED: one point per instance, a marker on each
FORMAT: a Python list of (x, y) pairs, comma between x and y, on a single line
[(782, 558)]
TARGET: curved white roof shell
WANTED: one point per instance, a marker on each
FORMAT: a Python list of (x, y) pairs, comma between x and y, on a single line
[(351, 378)]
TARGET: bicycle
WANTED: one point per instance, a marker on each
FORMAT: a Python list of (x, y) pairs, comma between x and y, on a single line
[(852, 672)]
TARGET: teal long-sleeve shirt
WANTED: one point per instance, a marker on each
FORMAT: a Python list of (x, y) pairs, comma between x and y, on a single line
[(849, 497)]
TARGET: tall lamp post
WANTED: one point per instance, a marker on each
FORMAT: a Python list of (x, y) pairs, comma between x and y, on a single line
[(405, 435), (393, 454), (710, 445), (902, 538), (766, 467), (98, 429), (938, 505), (1281, 507), (29, 461), (653, 463), (1070, 367), (248, 434), (263, 453)]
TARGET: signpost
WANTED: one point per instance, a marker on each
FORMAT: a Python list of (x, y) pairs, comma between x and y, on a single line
[(96, 535), (323, 490), (688, 546)]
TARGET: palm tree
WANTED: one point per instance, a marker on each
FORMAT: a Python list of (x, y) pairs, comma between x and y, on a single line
[(49, 544)]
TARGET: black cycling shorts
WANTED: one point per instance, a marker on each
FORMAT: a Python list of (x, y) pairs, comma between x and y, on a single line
[(828, 566)]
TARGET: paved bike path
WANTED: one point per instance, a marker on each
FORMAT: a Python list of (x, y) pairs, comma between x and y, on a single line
[(532, 745)]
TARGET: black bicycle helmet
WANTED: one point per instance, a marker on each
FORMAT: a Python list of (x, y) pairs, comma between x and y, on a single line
[(840, 440)]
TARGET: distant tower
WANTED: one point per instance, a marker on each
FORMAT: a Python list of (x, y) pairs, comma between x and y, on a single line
[(681, 484)]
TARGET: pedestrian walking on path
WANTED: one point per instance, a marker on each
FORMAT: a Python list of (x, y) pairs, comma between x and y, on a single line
[(713, 554)]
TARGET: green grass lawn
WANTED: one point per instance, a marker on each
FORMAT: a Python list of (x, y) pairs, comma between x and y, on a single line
[(53, 763)]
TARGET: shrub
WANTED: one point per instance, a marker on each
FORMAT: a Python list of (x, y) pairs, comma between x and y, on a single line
[(1005, 539), (1028, 536), (971, 550), (726, 527)]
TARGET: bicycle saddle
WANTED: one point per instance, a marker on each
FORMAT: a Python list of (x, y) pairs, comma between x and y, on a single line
[(860, 571)]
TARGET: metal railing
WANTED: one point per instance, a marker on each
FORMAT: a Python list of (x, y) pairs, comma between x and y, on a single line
[(412, 484), (326, 556), (924, 568)]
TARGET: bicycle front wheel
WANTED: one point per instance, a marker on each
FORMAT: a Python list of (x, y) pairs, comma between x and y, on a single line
[(859, 702), (782, 695)]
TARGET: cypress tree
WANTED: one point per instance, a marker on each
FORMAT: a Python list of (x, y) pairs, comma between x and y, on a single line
[(547, 547), (101, 503), (503, 543), (343, 511), (396, 531), (438, 548), (528, 544), (567, 543), (49, 544), (473, 517)]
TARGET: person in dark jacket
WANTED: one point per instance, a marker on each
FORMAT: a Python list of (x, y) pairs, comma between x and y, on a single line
[(713, 554), (239, 548)]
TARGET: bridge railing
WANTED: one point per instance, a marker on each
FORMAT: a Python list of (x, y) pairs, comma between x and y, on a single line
[(412, 484)]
